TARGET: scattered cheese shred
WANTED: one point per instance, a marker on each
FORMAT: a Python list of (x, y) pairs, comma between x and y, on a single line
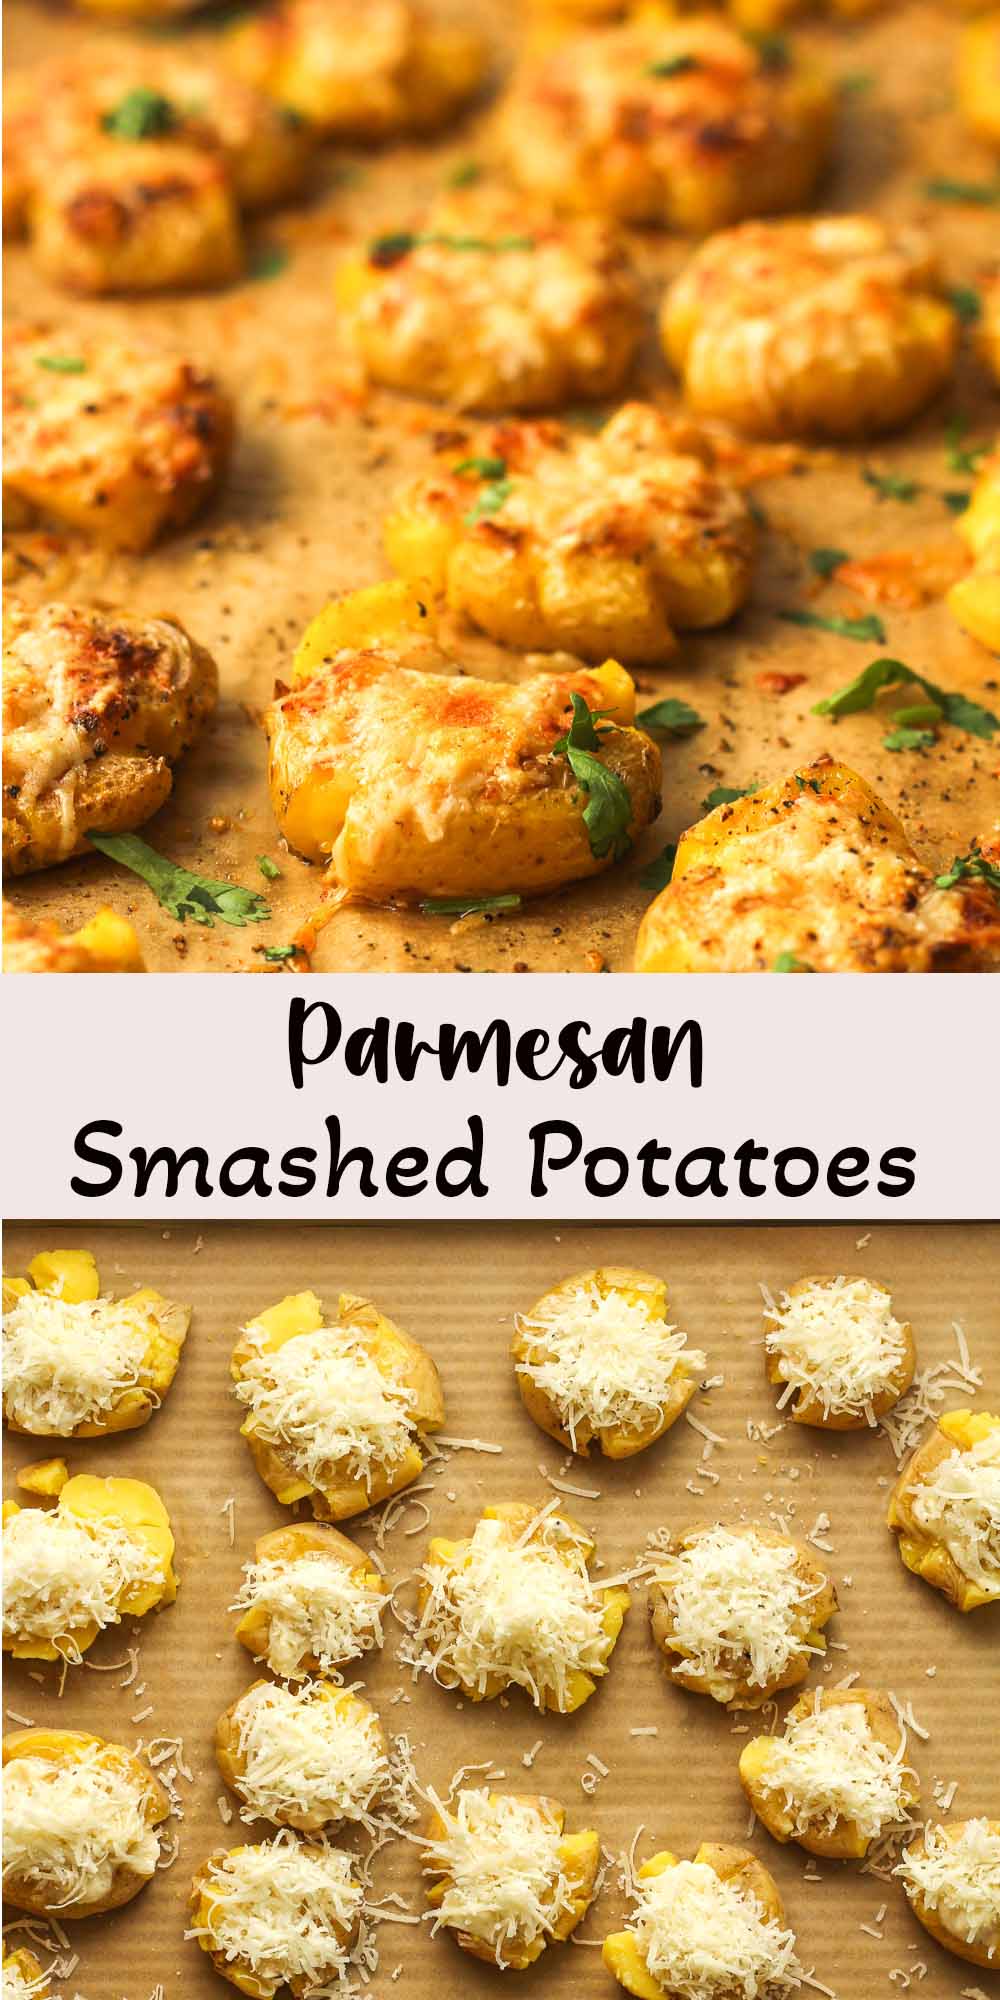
[(316, 1610), (63, 1574), (958, 1503), (920, 1405), (959, 1878), (830, 1767), (71, 1827), (837, 1344), (606, 1360), (701, 1938), (501, 1870)]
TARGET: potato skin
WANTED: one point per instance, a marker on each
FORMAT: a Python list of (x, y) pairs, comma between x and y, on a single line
[(107, 943), (976, 1954), (842, 1842), (920, 1551), (232, 1762), (616, 1441), (732, 1689), (736, 1865), (579, 1854), (408, 72), (805, 1409), (287, 1545), (59, 1746)]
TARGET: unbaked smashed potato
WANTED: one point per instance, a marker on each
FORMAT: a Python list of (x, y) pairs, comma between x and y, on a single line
[(679, 1905), (334, 1411), (823, 326), (951, 1874), (813, 875), (79, 1364), (945, 1509), (553, 539), (97, 708), (105, 1806), (107, 943), (313, 1757), (836, 1351), (738, 1613), (836, 1779), (975, 599), (978, 77), (282, 1913), (311, 1601), (406, 67), (680, 122), (505, 1878), (103, 1553)]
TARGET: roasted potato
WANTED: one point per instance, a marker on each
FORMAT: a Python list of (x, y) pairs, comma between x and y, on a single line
[(944, 1509), (332, 1587), (938, 1871), (669, 1918), (80, 1364), (259, 1749), (410, 71), (107, 943), (92, 1788), (340, 1468), (989, 332), (595, 1359), (828, 1378), (781, 1782), (53, 1616), (240, 1900), (153, 216), (558, 540), (550, 310), (23, 1978), (823, 326), (975, 599), (677, 121), (813, 875), (97, 708), (412, 783), (518, 1834), (704, 1606), (978, 77)]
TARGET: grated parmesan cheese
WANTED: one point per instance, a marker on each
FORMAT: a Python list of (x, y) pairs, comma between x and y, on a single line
[(739, 1606), (70, 1827), (837, 1345), (68, 1363), (830, 1767), (309, 1756), (504, 1878), (705, 1939), (316, 1610), (605, 1360), (958, 1503), (63, 1574), (321, 1400), (283, 1910), (959, 1878)]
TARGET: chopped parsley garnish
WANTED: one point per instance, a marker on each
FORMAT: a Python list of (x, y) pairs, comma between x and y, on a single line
[(855, 82), (673, 66), (268, 868), (673, 717), (725, 795), (966, 302), (860, 693), (981, 194), (963, 457), (181, 892), (268, 262), (62, 364), (971, 867), (657, 873), (465, 174), (773, 51), (275, 954), (869, 628), (825, 561), (484, 468), (490, 499), (140, 114), (890, 485), (956, 500), (919, 714), (909, 739), (468, 906), (390, 249), (608, 812), (787, 961)]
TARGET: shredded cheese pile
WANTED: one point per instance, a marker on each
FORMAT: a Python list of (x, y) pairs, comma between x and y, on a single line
[(958, 1503), (323, 1402), (505, 1880), (316, 1609), (307, 1754), (62, 1573), (520, 1611), (830, 1767), (705, 1939), (960, 1879), (605, 1360), (68, 1363), (838, 1344), (738, 1605), (283, 1910), (70, 1827)]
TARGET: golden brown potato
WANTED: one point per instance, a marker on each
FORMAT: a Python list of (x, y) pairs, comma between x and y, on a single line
[(595, 1358), (77, 1364), (23, 1978), (813, 875), (840, 1357), (951, 1875), (978, 77), (107, 943), (334, 1412), (118, 438), (989, 333), (550, 311), (514, 1605), (96, 710), (825, 326), (678, 122), (414, 783), (705, 1611), (835, 1781), (242, 1899), (104, 1553), (557, 540), (150, 217), (313, 1758), (975, 599), (105, 1805), (410, 70), (311, 1601), (945, 1509), (676, 1901), (483, 1849)]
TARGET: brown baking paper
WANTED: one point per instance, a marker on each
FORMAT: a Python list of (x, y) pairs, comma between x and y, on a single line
[(456, 1289), (315, 470)]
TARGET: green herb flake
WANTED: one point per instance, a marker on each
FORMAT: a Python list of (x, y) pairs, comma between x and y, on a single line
[(971, 867), (909, 739), (956, 501), (468, 906), (859, 694), (490, 500), (856, 82), (268, 868), (965, 303), (726, 795), (825, 561), (963, 457), (657, 873), (673, 66), (466, 174), (140, 114), (62, 364), (773, 50), (386, 250), (608, 812), (787, 961), (919, 714), (267, 262), (891, 485), (674, 718), (869, 629), (181, 892), (979, 194), (484, 468), (277, 954)]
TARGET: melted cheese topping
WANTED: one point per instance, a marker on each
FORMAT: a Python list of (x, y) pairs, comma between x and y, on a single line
[(306, 1753), (838, 1344), (316, 1610), (282, 1909), (705, 1939), (505, 1880), (62, 1574), (69, 1363), (739, 1606), (605, 1360), (70, 1827), (326, 1407), (829, 1767), (958, 1503), (958, 1878)]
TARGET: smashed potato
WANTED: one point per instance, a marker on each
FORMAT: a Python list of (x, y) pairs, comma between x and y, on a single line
[(514, 1605), (103, 1553), (282, 1913), (595, 1359), (678, 122), (77, 1364), (334, 1412), (681, 1904), (413, 783), (489, 1853), (410, 71), (99, 1806), (978, 77), (836, 1780), (550, 311), (945, 1509), (813, 875), (97, 708), (311, 1758), (311, 1601), (738, 1613), (826, 326), (107, 943), (23, 1978), (975, 599), (951, 1874), (127, 443), (557, 540), (836, 1352)]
